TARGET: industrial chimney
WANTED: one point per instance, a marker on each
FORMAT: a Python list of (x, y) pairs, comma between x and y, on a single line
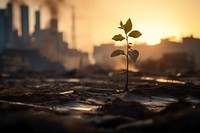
[(73, 28), (37, 22), (25, 23), (9, 25), (54, 25)]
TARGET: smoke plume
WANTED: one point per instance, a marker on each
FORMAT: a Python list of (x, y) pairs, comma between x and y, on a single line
[(18, 2), (54, 7)]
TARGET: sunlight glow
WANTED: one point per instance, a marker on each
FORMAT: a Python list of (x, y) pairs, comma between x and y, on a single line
[(153, 31), (154, 19), (151, 39)]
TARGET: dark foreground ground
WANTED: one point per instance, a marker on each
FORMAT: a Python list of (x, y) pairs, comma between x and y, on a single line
[(82, 102)]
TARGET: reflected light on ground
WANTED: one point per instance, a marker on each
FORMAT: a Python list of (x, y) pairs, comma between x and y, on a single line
[(169, 81), (162, 80), (66, 92), (76, 106), (73, 80)]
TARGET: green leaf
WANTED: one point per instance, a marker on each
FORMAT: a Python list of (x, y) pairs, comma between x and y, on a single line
[(128, 26), (117, 52), (135, 34), (121, 24), (133, 54), (118, 72), (118, 37)]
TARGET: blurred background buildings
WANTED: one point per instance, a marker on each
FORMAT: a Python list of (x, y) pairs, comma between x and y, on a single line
[(166, 57), (44, 50)]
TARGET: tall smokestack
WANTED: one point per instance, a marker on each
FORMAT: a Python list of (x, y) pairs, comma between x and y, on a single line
[(9, 27), (2, 29), (73, 28), (25, 23), (54, 25), (37, 22)]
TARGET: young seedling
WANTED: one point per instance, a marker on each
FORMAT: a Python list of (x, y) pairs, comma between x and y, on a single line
[(127, 28)]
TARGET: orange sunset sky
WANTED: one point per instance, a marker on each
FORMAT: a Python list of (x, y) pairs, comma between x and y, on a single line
[(97, 20)]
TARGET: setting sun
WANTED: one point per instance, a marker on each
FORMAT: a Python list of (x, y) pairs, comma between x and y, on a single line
[(154, 28), (154, 31)]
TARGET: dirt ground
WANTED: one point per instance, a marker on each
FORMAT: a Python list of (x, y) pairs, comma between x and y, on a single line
[(75, 102)]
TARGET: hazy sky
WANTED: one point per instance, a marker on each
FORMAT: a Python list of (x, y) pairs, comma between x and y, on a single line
[(97, 20)]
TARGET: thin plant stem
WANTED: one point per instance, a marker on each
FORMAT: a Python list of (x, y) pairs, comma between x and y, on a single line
[(127, 62), (127, 27)]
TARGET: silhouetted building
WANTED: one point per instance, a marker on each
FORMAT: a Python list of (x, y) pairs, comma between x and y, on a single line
[(192, 45), (43, 50), (36, 34), (73, 28), (7, 32), (13, 60), (2, 29), (186, 53), (9, 26), (37, 23), (54, 25), (191, 41), (180, 62), (25, 23), (58, 50)]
